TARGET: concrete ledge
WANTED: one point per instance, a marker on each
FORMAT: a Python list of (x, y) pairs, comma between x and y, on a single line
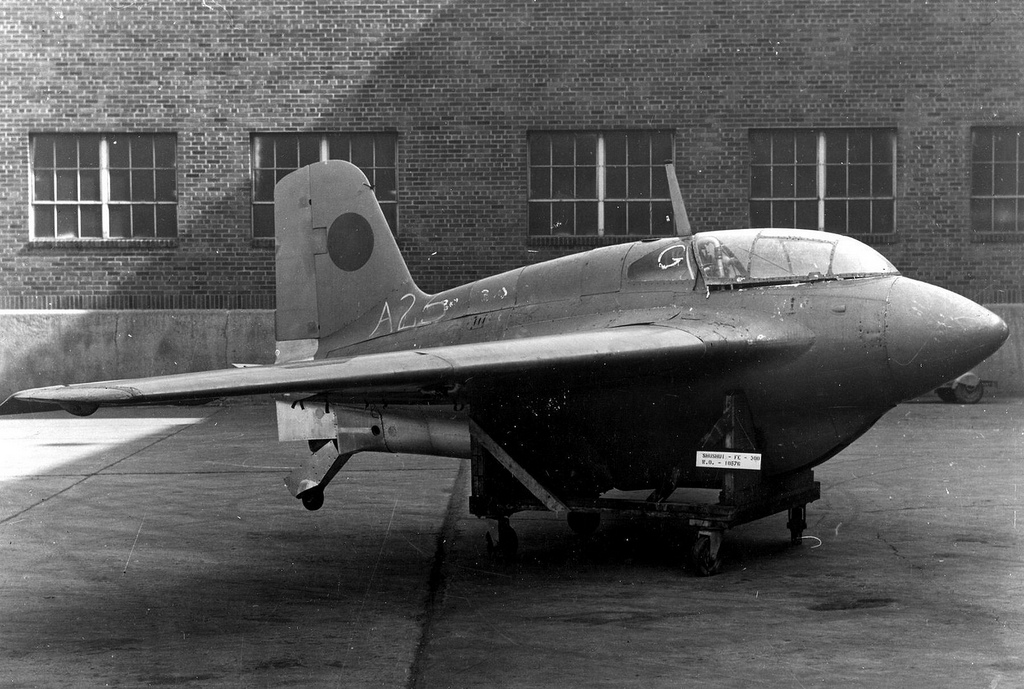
[(50, 347)]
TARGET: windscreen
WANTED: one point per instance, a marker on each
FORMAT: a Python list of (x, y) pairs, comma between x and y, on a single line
[(784, 256)]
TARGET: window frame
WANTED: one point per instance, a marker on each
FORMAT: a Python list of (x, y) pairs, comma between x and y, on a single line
[(122, 183), (605, 170), (320, 147), (855, 191), (989, 188)]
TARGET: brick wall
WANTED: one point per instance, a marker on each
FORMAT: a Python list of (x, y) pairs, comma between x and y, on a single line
[(461, 83)]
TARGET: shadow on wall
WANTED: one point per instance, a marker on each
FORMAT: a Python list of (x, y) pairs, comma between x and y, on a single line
[(100, 345)]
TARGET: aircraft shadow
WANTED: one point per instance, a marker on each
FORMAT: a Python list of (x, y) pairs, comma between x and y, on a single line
[(546, 543)]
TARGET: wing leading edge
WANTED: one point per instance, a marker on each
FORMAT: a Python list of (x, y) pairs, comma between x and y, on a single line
[(398, 374)]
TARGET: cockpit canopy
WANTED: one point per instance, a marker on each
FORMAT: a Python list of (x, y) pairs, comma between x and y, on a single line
[(742, 257)]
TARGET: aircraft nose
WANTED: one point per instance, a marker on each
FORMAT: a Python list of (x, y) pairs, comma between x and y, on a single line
[(933, 335)]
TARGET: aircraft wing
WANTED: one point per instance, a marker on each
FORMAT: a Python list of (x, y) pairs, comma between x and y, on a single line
[(399, 375)]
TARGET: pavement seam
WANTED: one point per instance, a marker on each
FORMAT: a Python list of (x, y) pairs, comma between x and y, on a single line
[(437, 579), (99, 471)]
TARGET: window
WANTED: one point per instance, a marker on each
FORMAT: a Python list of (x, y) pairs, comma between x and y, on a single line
[(997, 180), (104, 186), (275, 155), (839, 180), (600, 183)]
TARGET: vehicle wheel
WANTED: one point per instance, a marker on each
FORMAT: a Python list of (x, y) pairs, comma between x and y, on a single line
[(704, 563), (583, 523), (946, 394), (969, 394), (508, 541), (797, 523), (313, 499)]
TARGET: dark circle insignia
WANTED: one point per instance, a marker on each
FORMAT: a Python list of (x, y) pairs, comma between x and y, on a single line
[(350, 241)]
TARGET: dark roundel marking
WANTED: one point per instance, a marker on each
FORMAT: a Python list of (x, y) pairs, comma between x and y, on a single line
[(350, 241)]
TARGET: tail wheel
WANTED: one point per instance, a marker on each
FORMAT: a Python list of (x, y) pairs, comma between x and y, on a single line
[(313, 499)]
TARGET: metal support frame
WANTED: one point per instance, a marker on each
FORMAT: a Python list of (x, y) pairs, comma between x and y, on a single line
[(742, 498), (546, 497), (734, 430), (735, 427)]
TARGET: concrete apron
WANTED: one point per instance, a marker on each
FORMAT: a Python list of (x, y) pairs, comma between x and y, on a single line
[(910, 574), (161, 547)]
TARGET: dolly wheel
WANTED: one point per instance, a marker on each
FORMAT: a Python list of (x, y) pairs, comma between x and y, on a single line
[(313, 499), (797, 523), (508, 541), (583, 523), (705, 558)]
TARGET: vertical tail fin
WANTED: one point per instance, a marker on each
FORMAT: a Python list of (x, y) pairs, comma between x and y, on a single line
[(338, 265)]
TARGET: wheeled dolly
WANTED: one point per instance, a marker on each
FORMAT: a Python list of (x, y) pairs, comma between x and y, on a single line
[(765, 498), (740, 500)]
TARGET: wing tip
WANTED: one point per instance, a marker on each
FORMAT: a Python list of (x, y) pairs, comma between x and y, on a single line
[(12, 406), (77, 400)]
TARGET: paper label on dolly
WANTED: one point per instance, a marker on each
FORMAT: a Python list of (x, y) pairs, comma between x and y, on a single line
[(750, 461)]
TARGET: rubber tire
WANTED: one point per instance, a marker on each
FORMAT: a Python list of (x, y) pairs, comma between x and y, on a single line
[(700, 557), (508, 540), (796, 524), (965, 394), (313, 499)]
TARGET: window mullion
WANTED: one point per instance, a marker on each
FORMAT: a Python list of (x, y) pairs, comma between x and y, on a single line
[(105, 186), (1017, 172), (78, 187), (991, 164), (821, 179), (602, 184), (990, 170)]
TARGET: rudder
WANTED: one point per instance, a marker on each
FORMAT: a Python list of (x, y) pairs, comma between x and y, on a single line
[(338, 263)]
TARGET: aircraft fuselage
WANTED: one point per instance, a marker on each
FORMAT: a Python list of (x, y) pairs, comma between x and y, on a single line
[(824, 376)]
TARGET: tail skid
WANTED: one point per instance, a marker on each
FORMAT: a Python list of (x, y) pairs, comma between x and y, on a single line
[(338, 264)]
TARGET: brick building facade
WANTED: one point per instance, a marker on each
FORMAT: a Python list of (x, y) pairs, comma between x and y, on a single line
[(462, 90)]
